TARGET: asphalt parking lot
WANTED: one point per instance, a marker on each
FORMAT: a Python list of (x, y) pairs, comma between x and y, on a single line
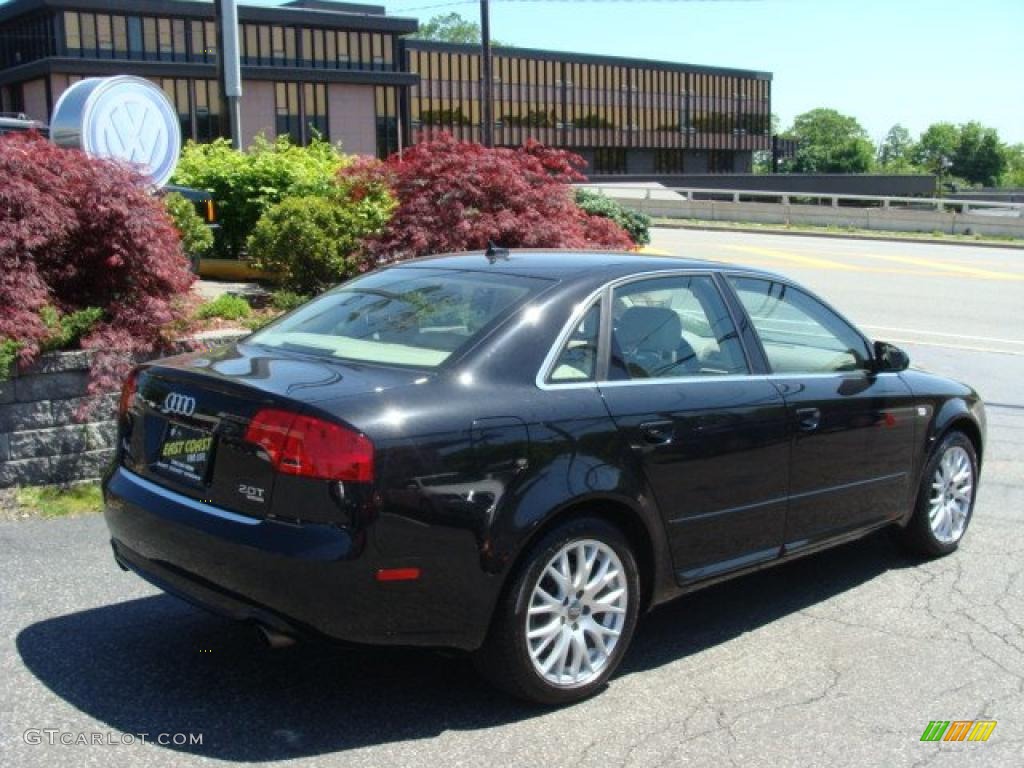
[(840, 659)]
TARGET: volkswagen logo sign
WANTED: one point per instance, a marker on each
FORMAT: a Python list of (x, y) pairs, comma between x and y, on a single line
[(179, 404), (126, 118)]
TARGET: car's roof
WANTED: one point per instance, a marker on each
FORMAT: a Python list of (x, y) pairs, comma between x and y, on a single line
[(564, 264)]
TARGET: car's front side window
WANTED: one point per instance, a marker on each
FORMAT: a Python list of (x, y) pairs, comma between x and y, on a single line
[(673, 326), (799, 333)]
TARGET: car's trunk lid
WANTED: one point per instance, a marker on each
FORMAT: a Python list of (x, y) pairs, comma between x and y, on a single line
[(188, 426)]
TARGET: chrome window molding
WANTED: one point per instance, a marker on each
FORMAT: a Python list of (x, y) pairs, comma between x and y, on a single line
[(605, 290)]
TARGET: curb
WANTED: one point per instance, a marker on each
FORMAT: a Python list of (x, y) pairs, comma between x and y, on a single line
[(839, 235)]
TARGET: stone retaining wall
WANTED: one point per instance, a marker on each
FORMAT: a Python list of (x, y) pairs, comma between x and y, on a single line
[(43, 437)]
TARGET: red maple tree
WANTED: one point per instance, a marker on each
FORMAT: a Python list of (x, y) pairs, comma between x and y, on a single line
[(78, 232), (458, 196)]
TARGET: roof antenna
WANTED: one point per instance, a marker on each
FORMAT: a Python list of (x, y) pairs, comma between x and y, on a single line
[(494, 253)]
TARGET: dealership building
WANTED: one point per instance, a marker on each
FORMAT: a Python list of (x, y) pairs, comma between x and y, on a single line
[(351, 73)]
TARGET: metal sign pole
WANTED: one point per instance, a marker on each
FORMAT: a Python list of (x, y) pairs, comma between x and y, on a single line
[(486, 78), (229, 68)]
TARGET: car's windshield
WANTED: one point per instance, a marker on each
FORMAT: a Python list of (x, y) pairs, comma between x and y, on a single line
[(401, 316)]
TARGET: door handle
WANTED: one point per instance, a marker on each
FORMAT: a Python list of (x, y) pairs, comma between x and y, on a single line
[(808, 419), (658, 432)]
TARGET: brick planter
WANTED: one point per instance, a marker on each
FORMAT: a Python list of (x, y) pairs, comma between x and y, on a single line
[(42, 439)]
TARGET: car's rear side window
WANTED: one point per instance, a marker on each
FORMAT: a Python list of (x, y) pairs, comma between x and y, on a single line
[(578, 360), (668, 327), (411, 316)]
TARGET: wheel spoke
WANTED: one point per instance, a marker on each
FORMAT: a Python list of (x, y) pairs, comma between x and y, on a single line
[(561, 581), (963, 493), (596, 633), (556, 661), (608, 601), (579, 654), (545, 630), (536, 653)]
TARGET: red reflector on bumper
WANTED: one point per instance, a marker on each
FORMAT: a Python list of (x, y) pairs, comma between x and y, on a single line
[(398, 574)]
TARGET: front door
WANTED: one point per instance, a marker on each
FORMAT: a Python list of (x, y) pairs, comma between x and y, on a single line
[(853, 429), (712, 438)]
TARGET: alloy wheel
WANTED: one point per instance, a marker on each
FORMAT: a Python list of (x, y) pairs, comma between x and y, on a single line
[(576, 613), (951, 494)]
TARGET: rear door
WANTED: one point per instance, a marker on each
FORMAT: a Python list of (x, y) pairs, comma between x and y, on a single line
[(853, 429), (710, 434)]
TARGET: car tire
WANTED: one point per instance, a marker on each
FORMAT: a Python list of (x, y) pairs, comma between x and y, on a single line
[(945, 498), (553, 615)]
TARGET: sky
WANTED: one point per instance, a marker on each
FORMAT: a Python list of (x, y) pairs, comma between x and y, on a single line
[(913, 62)]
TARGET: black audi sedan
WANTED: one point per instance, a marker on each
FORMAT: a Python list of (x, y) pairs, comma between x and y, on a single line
[(517, 454)]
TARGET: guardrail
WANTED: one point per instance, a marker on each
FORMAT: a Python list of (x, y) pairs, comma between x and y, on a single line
[(901, 214)]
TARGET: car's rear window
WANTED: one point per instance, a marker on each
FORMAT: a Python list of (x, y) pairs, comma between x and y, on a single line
[(401, 316)]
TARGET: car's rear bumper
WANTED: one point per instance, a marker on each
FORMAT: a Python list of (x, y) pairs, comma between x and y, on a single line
[(289, 577)]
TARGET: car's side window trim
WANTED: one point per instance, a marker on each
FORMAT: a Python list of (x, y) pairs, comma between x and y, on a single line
[(605, 293), (810, 294), (543, 379), (757, 363)]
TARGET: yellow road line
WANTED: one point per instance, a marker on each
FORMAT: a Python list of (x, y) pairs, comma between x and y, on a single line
[(809, 261), (984, 274), (787, 259), (928, 267)]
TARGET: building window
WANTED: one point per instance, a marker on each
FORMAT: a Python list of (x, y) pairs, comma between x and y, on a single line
[(609, 160), (177, 91), (387, 122), (314, 108), (72, 33), (120, 24), (301, 111), (135, 49), (104, 36), (721, 161), (286, 108), (197, 103), (149, 45), (668, 161), (207, 110), (87, 21)]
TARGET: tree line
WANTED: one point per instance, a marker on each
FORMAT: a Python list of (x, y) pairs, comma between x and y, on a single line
[(968, 154)]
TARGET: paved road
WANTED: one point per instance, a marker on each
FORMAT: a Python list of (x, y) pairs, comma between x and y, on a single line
[(839, 660)]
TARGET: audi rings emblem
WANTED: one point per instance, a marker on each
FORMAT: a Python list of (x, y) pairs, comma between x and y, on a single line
[(179, 404)]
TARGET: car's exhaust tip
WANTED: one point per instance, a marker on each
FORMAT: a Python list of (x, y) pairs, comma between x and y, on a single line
[(274, 639)]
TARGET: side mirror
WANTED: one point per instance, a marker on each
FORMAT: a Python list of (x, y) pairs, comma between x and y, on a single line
[(889, 357)]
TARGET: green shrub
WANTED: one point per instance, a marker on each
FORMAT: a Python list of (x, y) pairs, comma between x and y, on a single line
[(225, 306), (637, 225), (67, 330), (315, 242), (246, 184), (196, 237), (286, 301), (8, 353)]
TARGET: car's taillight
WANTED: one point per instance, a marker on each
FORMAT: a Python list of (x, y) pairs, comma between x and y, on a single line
[(128, 393), (311, 447)]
